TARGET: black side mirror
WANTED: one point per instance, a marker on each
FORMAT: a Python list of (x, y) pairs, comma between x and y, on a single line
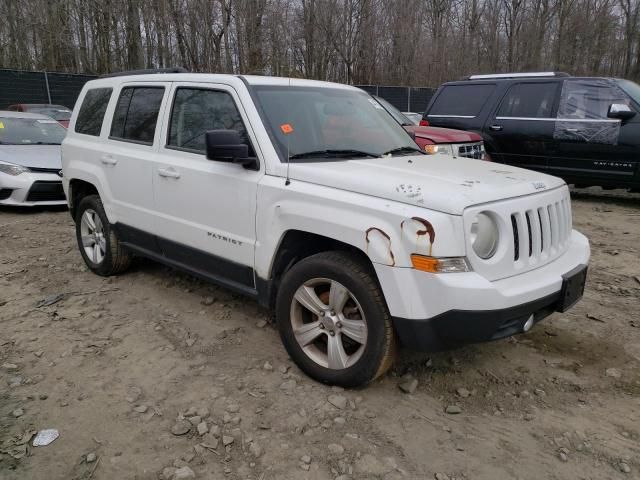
[(620, 111), (227, 146)]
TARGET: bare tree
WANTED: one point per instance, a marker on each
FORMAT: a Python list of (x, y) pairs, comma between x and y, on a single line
[(410, 42)]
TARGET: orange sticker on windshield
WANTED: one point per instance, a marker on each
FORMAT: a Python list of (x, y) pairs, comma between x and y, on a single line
[(286, 128)]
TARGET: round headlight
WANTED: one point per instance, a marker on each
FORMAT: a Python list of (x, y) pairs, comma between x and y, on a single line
[(484, 236)]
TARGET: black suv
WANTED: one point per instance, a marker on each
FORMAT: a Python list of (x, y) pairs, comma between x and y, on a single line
[(585, 130)]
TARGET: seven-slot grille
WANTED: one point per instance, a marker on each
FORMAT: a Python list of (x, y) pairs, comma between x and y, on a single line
[(471, 150), (541, 232)]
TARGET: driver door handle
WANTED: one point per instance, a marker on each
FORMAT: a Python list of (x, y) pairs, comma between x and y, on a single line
[(108, 160), (168, 173), (495, 128)]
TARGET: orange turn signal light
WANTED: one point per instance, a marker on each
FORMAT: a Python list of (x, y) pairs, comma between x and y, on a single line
[(426, 264)]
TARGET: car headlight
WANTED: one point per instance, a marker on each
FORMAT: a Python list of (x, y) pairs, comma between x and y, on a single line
[(11, 169), (432, 149), (484, 235)]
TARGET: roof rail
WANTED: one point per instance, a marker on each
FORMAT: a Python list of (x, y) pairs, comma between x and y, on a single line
[(145, 71), (518, 75)]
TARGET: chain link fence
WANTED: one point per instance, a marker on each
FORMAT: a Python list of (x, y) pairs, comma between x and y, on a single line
[(406, 99), (20, 86)]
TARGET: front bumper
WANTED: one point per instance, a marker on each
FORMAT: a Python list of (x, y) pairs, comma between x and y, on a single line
[(459, 327), (31, 189), (436, 311)]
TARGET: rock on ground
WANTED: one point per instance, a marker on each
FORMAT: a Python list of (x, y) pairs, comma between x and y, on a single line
[(338, 401)]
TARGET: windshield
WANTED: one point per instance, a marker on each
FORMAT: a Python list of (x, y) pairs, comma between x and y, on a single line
[(400, 117), (53, 111), (317, 123), (30, 131), (632, 89)]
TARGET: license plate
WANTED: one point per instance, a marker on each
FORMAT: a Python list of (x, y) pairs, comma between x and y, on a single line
[(573, 284)]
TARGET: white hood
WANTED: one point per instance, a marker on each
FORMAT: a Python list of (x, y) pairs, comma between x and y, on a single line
[(34, 156), (436, 182)]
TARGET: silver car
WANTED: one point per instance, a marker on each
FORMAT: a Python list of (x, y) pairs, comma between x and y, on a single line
[(30, 165)]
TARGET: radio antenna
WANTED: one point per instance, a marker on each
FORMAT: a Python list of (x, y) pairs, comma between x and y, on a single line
[(288, 179)]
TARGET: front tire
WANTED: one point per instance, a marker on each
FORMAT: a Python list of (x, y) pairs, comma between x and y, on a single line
[(99, 246), (333, 320)]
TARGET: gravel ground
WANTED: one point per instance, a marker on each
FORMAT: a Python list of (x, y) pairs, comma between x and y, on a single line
[(155, 375)]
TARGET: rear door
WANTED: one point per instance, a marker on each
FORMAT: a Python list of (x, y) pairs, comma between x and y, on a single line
[(127, 160), (521, 128), (590, 148), (462, 106)]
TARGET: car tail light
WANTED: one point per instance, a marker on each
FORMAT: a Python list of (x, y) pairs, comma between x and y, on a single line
[(424, 123)]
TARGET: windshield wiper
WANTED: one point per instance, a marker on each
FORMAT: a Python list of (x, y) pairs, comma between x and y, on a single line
[(45, 143), (332, 154), (405, 149)]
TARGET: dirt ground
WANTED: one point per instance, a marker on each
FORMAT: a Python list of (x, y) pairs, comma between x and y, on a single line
[(119, 366)]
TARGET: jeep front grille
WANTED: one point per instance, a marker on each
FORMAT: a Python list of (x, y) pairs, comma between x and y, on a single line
[(535, 229), (541, 232)]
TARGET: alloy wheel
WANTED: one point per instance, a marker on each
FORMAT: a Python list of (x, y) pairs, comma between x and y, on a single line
[(328, 323), (92, 236)]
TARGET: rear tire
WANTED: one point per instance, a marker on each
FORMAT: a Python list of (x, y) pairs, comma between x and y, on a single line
[(98, 243), (334, 321)]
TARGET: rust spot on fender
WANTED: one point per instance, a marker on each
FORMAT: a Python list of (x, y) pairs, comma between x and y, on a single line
[(385, 235), (426, 230), (369, 230)]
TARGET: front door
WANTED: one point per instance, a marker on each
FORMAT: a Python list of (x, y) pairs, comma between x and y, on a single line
[(592, 149), (205, 209), (521, 128)]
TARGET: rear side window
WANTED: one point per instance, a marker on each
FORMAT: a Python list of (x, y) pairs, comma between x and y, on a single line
[(136, 114), (461, 100), (195, 111), (529, 100), (91, 115)]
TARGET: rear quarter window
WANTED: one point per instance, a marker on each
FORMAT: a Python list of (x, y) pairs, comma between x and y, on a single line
[(461, 100), (136, 114), (91, 115)]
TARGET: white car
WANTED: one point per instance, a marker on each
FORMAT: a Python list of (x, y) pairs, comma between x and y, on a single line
[(30, 165), (359, 241), (413, 116)]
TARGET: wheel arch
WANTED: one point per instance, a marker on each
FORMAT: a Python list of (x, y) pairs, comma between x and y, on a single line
[(78, 189), (296, 245)]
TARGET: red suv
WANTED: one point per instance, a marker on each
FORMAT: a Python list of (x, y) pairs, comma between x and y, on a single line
[(456, 143), (59, 113)]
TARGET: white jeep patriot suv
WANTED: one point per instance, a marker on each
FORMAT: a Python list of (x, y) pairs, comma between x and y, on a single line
[(309, 197)]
